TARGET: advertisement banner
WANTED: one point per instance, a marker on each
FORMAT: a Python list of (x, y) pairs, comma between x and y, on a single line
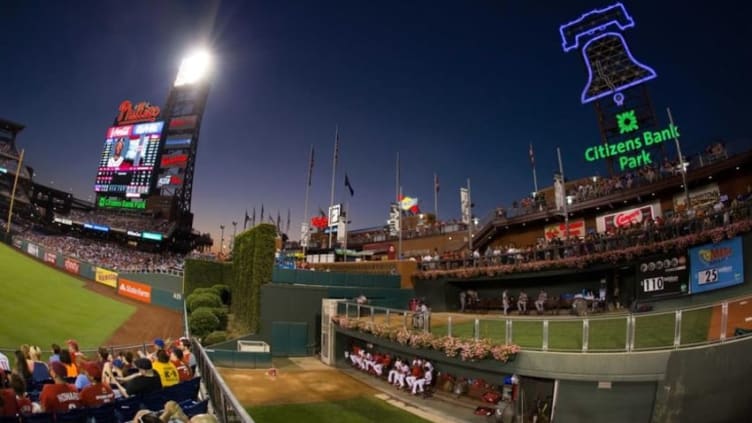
[(465, 209), (662, 276), (715, 266), (624, 218), (50, 258), (71, 266), (105, 277), (134, 290), (558, 230), (32, 249), (701, 197)]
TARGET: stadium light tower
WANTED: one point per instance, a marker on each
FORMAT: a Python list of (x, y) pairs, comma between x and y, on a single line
[(194, 68)]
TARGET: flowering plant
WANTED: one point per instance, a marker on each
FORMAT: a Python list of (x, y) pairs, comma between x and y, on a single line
[(465, 349)]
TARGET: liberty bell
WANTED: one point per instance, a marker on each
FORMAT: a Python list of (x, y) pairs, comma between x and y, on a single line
[(611, 66)]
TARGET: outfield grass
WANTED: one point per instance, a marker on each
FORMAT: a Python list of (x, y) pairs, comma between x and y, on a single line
[(41, 305), (353, 410), (651, 331)]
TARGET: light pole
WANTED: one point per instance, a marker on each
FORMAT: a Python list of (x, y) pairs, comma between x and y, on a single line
[(682, 164), (221, 239)]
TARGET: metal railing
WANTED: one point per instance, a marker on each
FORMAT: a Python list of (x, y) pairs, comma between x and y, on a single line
[(594, 332), (226, 407)]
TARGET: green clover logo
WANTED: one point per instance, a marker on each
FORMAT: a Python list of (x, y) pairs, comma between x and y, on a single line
[(627, 122)]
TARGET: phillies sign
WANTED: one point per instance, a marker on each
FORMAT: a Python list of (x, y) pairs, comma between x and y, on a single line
[(626, 218), (141, 112), (319, 222)]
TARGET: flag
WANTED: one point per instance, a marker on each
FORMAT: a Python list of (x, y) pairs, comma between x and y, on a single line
[(310, 167), (347, 184), (247, 218), (435, 182), (279, 221), (321, 212), (287, 229), (262, 214), (253, 219), (532, 155)]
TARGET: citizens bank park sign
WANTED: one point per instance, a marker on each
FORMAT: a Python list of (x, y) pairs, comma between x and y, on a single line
[(631, 153)]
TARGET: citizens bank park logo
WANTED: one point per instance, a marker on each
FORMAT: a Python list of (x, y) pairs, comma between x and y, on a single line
[(667, 264), (713, 255)]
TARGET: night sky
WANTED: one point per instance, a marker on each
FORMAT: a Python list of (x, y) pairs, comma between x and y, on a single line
[(457, 88)]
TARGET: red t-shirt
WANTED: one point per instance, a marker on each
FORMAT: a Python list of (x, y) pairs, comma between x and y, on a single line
[(97, 394), (9, 407), (183, 370), (59, 398), (24, 405)]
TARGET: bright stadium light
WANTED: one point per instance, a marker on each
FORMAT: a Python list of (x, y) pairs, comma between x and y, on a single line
[(193, 68)]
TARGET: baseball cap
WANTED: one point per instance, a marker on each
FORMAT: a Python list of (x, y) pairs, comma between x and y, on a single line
[(118, 363), (159, 342), (93, 370), (72, 343), (143, 364), (59, 369)]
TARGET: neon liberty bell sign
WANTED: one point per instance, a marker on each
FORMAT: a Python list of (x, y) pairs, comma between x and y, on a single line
[(610, 64)]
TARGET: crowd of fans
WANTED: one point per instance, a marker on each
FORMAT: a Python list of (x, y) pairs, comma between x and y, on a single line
[(598, 187), (109, 255), (124, 221), (654, 229), (70, 381)]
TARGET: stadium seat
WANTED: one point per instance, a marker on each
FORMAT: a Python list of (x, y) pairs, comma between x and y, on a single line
[(192, 408), (183, 391), (103, 414), (9, 419), (77, 415), (126, 408), (38, 418), (154, 400)]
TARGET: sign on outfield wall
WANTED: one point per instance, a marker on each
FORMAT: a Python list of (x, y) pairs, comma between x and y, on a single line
[(32, 249), (71, 266), (50, 258), (105, 277), (715, 266), (558, 230), (134, 290), (662, 276), (624, 218)]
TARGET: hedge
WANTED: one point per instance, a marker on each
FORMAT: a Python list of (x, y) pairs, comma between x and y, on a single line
[(219, 312), (253, 260), (202, 322), (209, 299), (224, 293), (203, 273), (215, 338)]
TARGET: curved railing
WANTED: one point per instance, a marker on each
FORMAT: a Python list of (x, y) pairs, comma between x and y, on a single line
[(599, 332)]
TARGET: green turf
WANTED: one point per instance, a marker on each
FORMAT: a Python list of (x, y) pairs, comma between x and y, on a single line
[(651, 331), (354, 410), (42, 305)]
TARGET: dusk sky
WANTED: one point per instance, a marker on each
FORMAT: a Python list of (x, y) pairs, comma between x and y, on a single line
[(457, 88)]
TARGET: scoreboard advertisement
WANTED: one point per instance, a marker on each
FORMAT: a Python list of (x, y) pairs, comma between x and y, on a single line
[(715, 266), (662, 276), (129, 156)]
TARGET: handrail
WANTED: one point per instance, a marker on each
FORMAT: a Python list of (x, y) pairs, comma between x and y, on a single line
[(226, 407)]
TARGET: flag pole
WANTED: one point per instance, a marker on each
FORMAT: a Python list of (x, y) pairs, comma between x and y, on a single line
[(564, 188), (307, 192), (470, 223), (682, 163), (535, 175), (334, 172), (13, 192), (344, 226), (399, 232), (436, 197)]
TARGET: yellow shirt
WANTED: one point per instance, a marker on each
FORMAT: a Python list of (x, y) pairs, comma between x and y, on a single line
[(167, 372)]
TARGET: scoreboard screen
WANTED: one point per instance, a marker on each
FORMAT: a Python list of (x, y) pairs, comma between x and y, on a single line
[(126, 167)]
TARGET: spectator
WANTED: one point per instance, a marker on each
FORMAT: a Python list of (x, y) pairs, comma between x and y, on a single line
[(184, 371), (145, 382), (168, 373), (540, 304), (20, 367), (55, 353), (70, 366), (97, 393), (4, 363), (39, 370), (58, 397), (522, 303)]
